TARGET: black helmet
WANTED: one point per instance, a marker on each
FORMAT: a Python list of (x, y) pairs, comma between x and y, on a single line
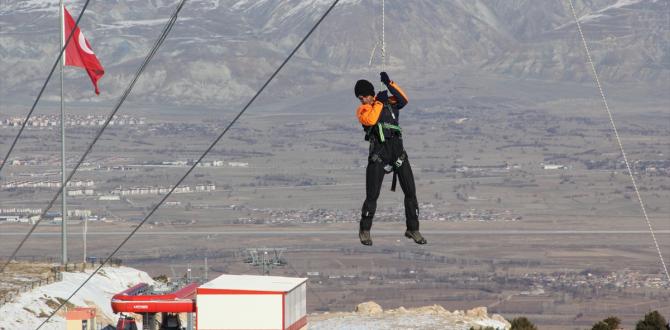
[(364, 88)]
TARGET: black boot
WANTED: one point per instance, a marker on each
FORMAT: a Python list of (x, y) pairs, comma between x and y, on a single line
[(364, 227), (416, 236), (364, 236)]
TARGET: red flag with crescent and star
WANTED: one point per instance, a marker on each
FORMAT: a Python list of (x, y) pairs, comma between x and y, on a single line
[(79, 52)]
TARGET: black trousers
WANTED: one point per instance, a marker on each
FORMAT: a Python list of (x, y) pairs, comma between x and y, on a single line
[(382, 154)]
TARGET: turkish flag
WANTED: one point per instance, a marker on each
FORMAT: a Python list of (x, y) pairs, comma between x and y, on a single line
[(79, 53)]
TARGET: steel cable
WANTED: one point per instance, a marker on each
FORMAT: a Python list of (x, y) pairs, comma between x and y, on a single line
[(123, 97), (153, 210), (618, 138)]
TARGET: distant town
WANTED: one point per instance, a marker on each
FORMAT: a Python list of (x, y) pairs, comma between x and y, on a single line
[(41, 121)]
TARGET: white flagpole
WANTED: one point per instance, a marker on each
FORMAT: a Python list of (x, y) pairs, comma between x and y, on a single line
[(62, 150), (85, 232)]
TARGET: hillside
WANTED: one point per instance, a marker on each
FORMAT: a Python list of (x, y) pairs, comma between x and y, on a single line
[(30, 308), (221, 51)]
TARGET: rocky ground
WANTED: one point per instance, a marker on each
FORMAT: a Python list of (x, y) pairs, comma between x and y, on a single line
[(370, 315)]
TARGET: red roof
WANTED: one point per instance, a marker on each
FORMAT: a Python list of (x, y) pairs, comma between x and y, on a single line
[(133, 300), (80, 313)]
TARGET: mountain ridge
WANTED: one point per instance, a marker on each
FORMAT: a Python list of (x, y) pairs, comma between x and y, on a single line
[(222, 51)]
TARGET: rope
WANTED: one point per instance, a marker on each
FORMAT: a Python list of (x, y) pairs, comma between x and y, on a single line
[(199, 159), (372, 55), (383, 37), (382, 48), (616, 133), (153, 51), (44, 86)]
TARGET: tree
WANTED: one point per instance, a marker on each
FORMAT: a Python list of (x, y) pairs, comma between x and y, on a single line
[(601, 325), (161, 278), (652, 321), (522, 323), (613, 322), (610, 323)]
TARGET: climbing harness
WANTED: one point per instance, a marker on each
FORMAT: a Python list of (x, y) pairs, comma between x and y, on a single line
[(381, 128), (396, 166)]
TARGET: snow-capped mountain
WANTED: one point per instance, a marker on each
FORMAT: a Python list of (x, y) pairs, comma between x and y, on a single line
[(221, 51)]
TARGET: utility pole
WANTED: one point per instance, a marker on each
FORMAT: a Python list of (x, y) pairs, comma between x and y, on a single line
[(266, 264), (85, 232), (189, 316), (62, 137), (206, 270)]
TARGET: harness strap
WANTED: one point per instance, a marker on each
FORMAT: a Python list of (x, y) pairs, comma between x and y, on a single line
[(397, 164), (381, 132), (388, 107), (375, 158), (391, 126), (382, 126)]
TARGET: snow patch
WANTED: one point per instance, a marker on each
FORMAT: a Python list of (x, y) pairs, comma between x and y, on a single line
[(30, 308), (127, 24), (602, 12), (622, 3)]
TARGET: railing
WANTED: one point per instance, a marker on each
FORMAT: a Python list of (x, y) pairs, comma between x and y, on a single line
[(55, 274)]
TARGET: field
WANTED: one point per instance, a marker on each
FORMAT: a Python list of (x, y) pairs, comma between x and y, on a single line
[(525, 199)]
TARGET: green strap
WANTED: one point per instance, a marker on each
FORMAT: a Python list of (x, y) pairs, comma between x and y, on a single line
[(382, 126), (391, 126), (381, 132)]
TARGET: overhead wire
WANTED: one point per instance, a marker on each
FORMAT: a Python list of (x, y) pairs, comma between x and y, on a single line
[(159, 42), (618, 138), (44, 86), (312, 291), (120, 102), (195, 164), (383, 36), (381, 43)]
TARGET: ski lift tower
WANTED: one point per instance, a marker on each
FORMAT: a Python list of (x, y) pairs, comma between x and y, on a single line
[(266, 258)]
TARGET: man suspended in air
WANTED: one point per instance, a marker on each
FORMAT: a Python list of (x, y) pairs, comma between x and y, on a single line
[(379, 116)]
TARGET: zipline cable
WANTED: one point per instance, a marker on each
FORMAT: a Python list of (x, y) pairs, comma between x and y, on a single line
[(195, 164), (383, 37), (44, 86), (312, 290), (382, 47), (616, 133), (123, 97)]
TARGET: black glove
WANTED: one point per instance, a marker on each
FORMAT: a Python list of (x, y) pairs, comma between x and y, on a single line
[(385, 78), (382, 96)]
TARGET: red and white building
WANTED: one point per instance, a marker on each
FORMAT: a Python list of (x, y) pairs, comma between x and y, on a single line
[(229, 302), (252, 302)]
